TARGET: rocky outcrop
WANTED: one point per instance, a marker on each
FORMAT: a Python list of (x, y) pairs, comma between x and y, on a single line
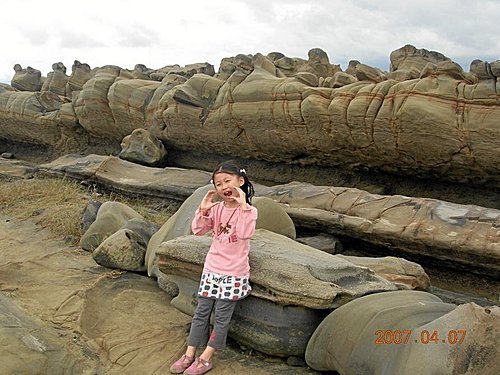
[(175, 184), (390, 333), (28, 79), (442, 124), (56, 80), (463, 236), (320, 280), (439, 232), (41, 118)]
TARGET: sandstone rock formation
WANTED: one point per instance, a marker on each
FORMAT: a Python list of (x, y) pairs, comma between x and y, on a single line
[(111, 217), (466, 235), (441, 125), (320, 280), (403, 273), (80, 74), (56, 80), (391, 333), (28, 79), (175, 184), (296, 279), (440, 232), (124, 249)]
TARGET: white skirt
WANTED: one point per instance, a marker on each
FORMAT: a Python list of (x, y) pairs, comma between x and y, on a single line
[(223, 287)]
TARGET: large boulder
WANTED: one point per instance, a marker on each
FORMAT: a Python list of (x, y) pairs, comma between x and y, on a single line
[(391, 333), (143, 148), (126, 248), (293, 286), (282, 270), (111, 217)]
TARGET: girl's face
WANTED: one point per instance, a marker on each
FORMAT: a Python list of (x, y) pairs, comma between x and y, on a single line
[(224, 181)]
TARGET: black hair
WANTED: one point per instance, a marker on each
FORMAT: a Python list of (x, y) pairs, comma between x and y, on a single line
[(231, 167)]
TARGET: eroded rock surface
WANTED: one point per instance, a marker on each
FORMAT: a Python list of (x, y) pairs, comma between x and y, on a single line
[(62, 313), (426, 118), (283, 271), (353, 340), (461, 236)]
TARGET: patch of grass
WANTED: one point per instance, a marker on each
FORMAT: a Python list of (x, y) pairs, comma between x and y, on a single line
[(58, 203)]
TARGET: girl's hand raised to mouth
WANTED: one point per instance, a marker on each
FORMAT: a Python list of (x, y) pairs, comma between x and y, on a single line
[(238, 195), (207, 202)]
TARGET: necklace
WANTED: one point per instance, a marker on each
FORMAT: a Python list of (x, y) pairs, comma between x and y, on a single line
[(224, 228)]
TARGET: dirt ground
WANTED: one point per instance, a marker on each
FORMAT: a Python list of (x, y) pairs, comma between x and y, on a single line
[(61, 313)]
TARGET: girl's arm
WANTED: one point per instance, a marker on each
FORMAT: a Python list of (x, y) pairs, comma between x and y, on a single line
[(245, 228), (203, 216), (202, 222)]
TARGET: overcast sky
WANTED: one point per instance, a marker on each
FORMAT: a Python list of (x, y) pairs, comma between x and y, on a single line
[(156, 33)]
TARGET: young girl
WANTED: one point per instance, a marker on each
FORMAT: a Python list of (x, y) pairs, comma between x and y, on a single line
[(225, 277)]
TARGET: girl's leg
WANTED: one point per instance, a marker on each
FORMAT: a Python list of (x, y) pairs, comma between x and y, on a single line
[(198, 334), (223, 313)]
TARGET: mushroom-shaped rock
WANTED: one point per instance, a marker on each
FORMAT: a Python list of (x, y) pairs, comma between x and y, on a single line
[(28, 79), (56, 80)]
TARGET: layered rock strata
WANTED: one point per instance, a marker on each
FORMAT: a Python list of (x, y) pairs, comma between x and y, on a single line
[(431, 119), (459, 236)]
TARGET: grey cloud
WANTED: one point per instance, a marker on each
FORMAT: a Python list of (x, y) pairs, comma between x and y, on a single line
[(34, 35), (78, 39), (137, 36)]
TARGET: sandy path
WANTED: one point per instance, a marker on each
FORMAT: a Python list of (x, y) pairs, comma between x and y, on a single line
[(61, 313)]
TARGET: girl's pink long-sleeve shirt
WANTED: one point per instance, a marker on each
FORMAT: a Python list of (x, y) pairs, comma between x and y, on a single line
[(228, 254)]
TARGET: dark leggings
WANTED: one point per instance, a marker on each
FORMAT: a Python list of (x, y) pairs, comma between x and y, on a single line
[(198, 335)]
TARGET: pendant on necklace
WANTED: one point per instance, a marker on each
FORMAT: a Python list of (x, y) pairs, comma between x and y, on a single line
[(224, 228)]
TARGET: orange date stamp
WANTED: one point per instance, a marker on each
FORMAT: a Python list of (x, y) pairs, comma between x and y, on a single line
[(425, 337)]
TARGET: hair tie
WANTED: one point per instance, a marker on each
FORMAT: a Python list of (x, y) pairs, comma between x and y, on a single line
[(242, 170)]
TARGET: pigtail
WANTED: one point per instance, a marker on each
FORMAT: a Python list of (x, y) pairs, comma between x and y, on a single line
[(247, 187)]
